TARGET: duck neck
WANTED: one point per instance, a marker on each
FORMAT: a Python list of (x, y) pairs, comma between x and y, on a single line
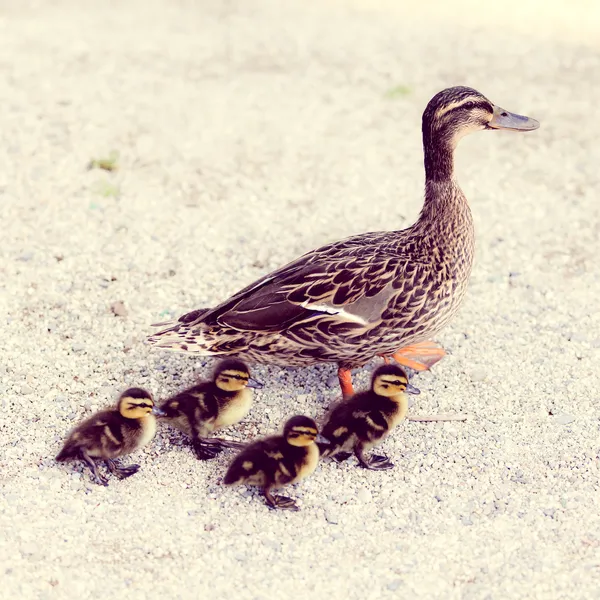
[(445, 205), (439, 156)]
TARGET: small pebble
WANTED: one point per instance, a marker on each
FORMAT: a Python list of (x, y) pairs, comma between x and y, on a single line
[(332, 381), (395, 584), (331, 517), (247, 528), (26, 389), (364, 495), (477, 374), (119, 309), (564, 418)]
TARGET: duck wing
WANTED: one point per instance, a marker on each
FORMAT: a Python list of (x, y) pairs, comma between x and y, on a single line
[(351, 281)]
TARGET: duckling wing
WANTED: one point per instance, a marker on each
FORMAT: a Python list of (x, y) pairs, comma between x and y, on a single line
[(100, 435), (357, 416), (257, 464), (196, 403), (349, 282)]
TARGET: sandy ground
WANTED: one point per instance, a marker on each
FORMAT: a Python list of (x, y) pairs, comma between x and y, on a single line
[(249, 132)]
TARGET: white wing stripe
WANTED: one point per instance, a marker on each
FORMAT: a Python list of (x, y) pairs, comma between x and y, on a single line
[(330, 310)]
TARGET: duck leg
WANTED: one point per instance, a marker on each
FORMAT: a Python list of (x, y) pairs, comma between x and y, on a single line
[(119, 470), (345, 379), (375, 462), (421, 356), (89, 461), (280, 502)]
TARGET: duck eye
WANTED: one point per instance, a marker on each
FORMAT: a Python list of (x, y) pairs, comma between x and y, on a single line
[(469, 105)]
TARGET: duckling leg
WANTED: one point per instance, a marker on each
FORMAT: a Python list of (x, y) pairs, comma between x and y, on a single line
[(345, 379), (375, 462), (121, 471), (97, 477), (281, 502), (421, 356)]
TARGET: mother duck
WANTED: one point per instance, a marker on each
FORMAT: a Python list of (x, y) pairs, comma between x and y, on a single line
[(383, 293)]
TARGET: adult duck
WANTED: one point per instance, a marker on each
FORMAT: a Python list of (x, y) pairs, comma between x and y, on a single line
[(383, 293)]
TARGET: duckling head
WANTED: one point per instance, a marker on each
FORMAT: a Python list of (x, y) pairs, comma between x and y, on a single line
[(233, 375), (300, 431), (391, 380), (455, 112), (137, 403)]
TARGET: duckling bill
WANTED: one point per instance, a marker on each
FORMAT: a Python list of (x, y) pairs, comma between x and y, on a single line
[(211, 405), (111, 434), (277, 461), (364, 420)]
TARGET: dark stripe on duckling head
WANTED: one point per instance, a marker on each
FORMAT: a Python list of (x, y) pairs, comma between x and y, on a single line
[(310, 430), (300, 423), (140, 405), (397, 381), (394, 371), (239, 375)]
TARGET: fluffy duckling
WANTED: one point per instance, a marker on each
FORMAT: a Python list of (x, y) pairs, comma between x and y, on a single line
[(211, 405), (278, 460), (110, 434), (365, 419)]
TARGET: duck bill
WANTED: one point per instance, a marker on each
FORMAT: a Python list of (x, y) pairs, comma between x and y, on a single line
[(502, 119), (411, 389), (253, 383), (158, 412)]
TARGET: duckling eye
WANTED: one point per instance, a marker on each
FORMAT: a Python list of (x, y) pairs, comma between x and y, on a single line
[(469, 105)]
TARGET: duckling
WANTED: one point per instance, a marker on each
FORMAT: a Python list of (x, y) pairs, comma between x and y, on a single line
[(365, 419), (110, 434), (277, 461), (212, 405)]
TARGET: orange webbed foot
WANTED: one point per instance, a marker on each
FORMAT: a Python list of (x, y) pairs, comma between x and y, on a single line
[(420, 357)]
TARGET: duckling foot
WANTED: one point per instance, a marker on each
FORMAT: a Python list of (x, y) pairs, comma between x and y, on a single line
[(280, 502), (205, 449), (375, 462), (232, 444), (420, 357), (341, 456), (120, 471), (381, 462)]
